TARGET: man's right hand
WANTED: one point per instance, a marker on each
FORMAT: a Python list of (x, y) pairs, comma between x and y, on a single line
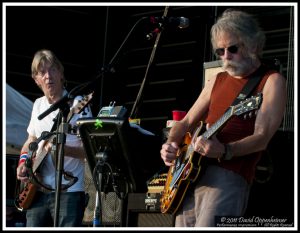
[(22, 173), (168, 152)]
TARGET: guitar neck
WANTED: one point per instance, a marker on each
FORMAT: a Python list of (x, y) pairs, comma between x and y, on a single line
[(218, 124), (41, 154), (70, 115)]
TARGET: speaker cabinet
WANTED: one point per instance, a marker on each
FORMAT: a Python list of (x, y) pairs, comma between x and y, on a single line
[(111, 205), (210, 70), (139, 216)]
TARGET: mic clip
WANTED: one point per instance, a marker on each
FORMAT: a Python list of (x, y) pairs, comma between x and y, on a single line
[(152, 34), (167, 22)]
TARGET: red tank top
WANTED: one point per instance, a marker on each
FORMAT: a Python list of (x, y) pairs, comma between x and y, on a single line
[(225, 90)]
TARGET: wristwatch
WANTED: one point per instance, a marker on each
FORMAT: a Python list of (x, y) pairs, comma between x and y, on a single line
[(228, 152)]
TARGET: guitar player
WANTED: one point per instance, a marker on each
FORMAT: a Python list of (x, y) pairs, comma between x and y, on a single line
[(48, 74), (222, 187)]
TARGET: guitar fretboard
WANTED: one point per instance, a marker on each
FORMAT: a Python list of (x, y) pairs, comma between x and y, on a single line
[(216, 126)]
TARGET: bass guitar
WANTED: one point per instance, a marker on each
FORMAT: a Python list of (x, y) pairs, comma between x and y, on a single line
[(187, 164), (25, 192)]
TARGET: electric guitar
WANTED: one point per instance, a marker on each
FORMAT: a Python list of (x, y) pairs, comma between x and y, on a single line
[(26, 191), (187, 163)]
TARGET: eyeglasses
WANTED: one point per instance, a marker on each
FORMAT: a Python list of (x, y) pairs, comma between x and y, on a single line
[(232, 49), (51, 70)]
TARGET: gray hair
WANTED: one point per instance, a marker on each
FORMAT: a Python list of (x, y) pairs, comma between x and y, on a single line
[(42, 57), (244, 26)]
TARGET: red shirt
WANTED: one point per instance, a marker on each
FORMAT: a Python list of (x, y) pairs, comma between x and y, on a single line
[(225, 90)]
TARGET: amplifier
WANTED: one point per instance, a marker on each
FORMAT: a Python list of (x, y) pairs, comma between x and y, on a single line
[(157, 183), (140, 215), (112, 206)]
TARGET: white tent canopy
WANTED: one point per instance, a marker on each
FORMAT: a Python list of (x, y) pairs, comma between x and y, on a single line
[(18, 113)]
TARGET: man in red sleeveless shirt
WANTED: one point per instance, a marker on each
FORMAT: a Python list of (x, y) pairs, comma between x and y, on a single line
[(230, 156)]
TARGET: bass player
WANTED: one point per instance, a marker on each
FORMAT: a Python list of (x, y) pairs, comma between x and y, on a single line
[(48, 74)]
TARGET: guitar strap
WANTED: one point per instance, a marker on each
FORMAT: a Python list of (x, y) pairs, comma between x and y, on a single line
[(253, 81)]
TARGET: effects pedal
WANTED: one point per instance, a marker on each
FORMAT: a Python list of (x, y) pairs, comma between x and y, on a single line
[(112, 111)]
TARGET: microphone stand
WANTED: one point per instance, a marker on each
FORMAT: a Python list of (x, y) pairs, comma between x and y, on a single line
[(59, 157), (62, 130), (110, 67), (97, 221), (139, 97)]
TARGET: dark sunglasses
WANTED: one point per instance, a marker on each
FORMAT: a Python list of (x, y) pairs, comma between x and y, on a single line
[(232, 49)]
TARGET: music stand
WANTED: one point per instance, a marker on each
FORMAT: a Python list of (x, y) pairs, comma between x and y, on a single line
[(104, 140), (107, 135)]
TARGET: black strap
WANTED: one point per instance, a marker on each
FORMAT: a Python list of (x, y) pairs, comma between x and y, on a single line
[(55, 123), (253, 81), (55, 127)]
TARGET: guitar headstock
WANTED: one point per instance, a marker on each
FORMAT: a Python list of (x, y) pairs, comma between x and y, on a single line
[(247, 105), (82, 103)]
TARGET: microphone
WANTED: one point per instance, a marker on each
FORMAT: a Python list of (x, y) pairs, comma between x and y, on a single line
[(180, 22), (59, 104)]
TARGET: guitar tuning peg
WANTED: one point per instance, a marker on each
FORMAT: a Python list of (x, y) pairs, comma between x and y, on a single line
[(256, 112), (250, 114), (245, 116)]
